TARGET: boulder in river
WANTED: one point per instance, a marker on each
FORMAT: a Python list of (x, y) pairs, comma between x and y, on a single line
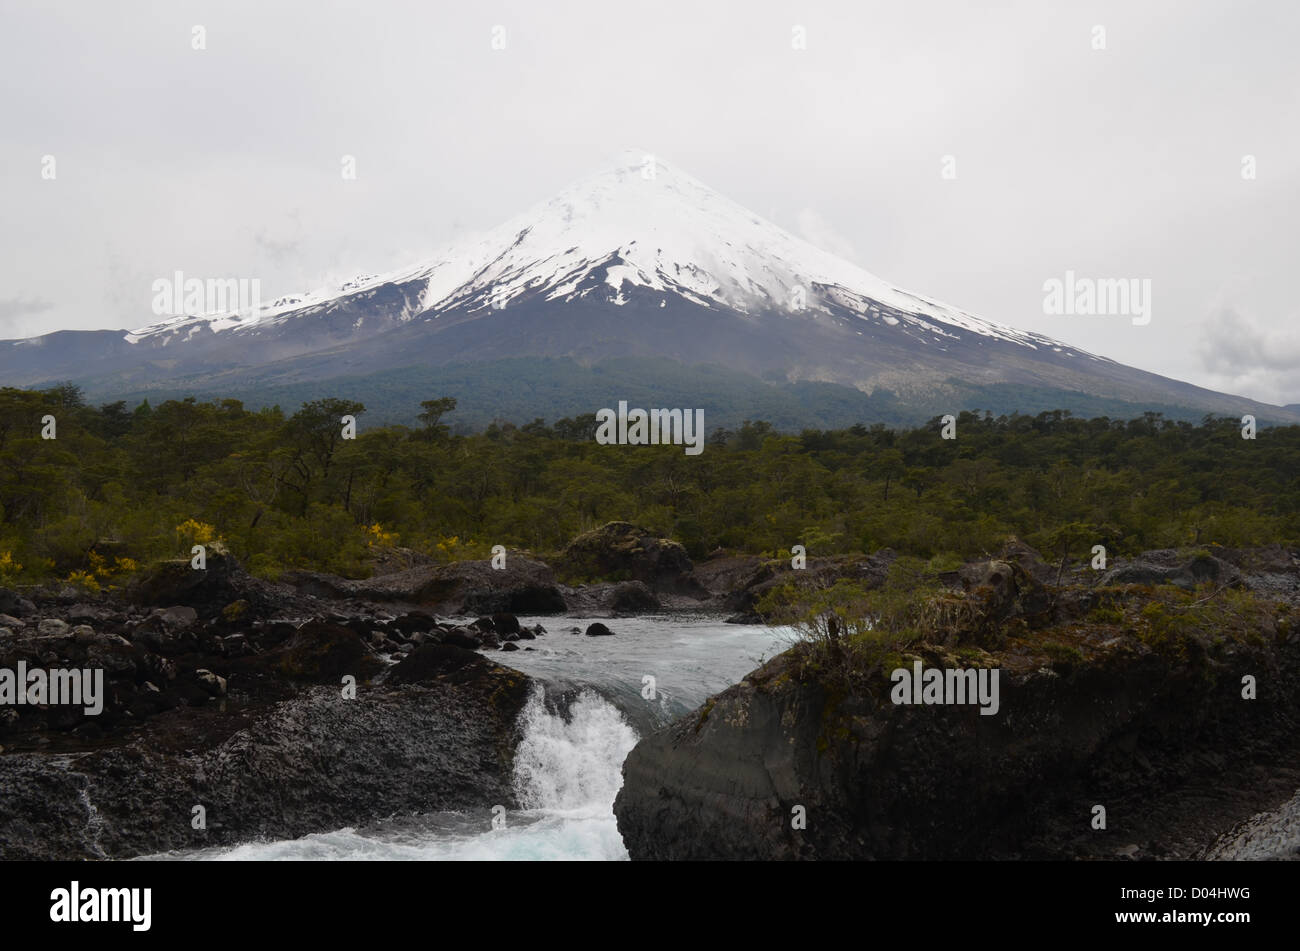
[(413, 621), (621, 551), (598, 630), (633, 597), (505, 623), (462, 637)]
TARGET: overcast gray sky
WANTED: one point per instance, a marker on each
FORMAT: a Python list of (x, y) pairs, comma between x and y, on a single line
[(1124, 162)]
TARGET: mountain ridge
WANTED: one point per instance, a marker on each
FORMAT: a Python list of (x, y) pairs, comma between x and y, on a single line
[(639, 260)]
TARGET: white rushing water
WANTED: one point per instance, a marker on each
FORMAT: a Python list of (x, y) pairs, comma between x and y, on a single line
[(568, 764)]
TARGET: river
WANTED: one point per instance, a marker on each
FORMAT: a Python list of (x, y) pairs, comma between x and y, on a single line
[(591, 702)]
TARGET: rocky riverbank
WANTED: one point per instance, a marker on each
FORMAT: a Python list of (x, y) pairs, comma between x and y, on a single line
[(277, 709), (275, 712), (1113, 693)]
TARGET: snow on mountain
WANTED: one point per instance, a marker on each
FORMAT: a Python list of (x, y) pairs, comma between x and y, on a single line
[(641, 223), (639, 261), (670, 232)]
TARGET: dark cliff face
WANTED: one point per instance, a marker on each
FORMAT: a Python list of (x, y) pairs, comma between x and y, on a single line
[(309, 764), (219, 701), (1162, 739)]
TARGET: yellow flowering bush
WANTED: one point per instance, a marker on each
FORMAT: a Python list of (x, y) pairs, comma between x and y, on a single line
[(376, 536), (193, 532), (83, 580), (9, 569)]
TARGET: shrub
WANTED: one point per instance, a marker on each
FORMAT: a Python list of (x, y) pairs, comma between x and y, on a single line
[(9, 568), (83, 581), (845, 631)]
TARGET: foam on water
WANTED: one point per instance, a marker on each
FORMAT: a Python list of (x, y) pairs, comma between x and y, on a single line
[(567, 772), (574, 764), (569, 762)]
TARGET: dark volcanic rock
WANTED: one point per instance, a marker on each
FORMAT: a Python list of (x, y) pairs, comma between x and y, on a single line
[(317, 584), (308, 764), (505, 623), (386, 561), (524, 586), (211, 682), (724, 574), (462, 637), (1152, 569), (178, 618), (1005, 592), (633, 597), (435, 660), (321, 652), (1016, 552), (222, 698), (13, 603), (763, 576), (1138, 572), (177, 583), (414, 621), (621, 551), (598, 630), (1170, 746), (222, 590)]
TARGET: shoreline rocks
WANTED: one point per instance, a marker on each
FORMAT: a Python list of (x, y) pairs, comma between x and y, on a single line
[(523, 586), (1161, 736), (1152, 742), (231, 697), (312, 763), (246, 713)]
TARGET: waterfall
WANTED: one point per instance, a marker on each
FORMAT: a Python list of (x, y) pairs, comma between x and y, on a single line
[(573, 762)]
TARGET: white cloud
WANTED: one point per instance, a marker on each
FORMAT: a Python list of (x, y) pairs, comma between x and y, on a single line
[(1250, 358), (818, 231)]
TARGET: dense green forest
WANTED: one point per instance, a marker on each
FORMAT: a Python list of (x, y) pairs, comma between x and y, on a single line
[(119, 486)]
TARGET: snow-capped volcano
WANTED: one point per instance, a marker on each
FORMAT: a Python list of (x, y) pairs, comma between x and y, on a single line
[(666, 231), (641, 223), (639, 260)]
